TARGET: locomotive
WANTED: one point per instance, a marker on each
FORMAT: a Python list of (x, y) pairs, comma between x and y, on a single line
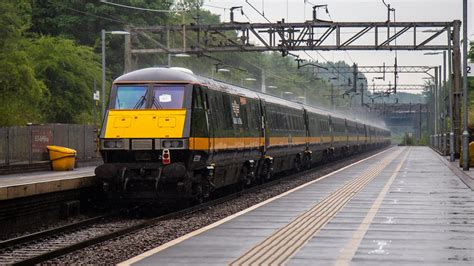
[(171, 134)]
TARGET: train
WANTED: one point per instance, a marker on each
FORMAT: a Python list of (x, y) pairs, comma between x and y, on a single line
[(170, 134)]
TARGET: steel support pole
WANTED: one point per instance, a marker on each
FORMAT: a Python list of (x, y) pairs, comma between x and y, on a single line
[(332, 97), (354, 77), (435, 105), (264, 87), (102, 36), (168, 46), (430, 117), (94, 111), (465, 133), (419, 123), (440, 110), (127, 52), (450, 92), (457, 87), (445, 120)]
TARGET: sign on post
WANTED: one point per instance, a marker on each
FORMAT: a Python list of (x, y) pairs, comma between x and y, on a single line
[(96, 95), (470, 69)]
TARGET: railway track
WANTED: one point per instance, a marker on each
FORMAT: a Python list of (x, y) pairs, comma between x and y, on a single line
[(42, 246), (46, 245)]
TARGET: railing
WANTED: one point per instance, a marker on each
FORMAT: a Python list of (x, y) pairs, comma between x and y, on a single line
[(27, 144)]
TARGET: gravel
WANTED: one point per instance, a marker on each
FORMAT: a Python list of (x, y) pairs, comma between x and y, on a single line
[(123, 248), (34, 229)]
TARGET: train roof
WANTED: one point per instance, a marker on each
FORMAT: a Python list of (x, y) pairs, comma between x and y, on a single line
[(182, 75), (158, 74), (227, 87)]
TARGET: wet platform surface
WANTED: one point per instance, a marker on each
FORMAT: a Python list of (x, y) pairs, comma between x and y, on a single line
[(400, 207), (29, 184)]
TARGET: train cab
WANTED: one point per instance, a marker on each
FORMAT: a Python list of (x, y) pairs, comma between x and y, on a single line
[(145, 134)]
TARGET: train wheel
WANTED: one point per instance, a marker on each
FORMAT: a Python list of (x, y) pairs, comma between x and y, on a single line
[(298, 164), (244, 176), (307, 162), (266, 171), (198, 194), (325, 158)]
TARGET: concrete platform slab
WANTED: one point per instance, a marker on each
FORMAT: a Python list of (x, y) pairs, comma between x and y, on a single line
[(28, 184), (401, 207)]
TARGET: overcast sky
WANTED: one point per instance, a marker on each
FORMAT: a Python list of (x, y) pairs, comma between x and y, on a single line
[(352, 10)]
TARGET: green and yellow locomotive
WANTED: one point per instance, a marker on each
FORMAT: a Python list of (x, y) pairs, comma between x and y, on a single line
[(169, 133)]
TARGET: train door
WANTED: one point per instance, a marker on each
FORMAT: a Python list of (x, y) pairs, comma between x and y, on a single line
[(210, 124), (366, 134), (306, 125), (346, 131), (265, 136), (357, 132), (237, 107), (331, 131)]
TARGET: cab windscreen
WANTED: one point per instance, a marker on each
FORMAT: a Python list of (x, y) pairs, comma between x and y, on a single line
[(168, 97), (130, 97)]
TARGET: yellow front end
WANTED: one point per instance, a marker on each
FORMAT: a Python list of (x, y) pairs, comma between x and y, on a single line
[(131, 124)]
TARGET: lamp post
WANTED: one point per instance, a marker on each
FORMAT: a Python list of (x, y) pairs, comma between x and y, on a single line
[(180, 55), (246, 79), (302, 99), (289, 93), (465, 133), (442, 92), (102, 35)]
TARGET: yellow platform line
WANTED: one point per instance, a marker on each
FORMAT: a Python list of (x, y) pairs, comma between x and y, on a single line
[(348, 252)]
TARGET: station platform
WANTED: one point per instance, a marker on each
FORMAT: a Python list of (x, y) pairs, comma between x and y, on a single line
[(402, 206), (29, 184)]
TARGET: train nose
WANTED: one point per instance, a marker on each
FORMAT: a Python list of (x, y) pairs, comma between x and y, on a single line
[(174, 172), (106, 171)]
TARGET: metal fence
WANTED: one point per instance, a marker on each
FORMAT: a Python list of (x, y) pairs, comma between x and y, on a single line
[(27, 145)]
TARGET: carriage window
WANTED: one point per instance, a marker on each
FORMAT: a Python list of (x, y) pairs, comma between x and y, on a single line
[(130, 97), (171, 97)]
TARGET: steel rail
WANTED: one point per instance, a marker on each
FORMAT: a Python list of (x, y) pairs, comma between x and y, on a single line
[(50, 232)]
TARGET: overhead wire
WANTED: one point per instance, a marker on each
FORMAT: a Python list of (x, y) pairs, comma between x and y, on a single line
[(141, 8), (256, 10), (96, 16)]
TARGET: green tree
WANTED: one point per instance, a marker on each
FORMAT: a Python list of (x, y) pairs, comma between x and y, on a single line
[(68, 71), (82, 21), (21, 93)]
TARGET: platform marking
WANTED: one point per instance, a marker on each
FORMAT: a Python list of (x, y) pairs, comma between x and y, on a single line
[(381, 244), (348, 252), (208, 227), (277, 248)]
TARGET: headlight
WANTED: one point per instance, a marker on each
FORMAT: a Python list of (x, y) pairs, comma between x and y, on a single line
[(114, 144), (173, 144), (110, 144), (119, 144), (166, 143), (177, 144)]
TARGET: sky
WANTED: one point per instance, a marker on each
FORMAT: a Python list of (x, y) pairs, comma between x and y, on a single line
[(357, 11)]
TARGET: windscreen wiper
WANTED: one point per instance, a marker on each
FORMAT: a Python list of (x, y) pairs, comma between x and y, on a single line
[(140, 103), (156, 103)]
